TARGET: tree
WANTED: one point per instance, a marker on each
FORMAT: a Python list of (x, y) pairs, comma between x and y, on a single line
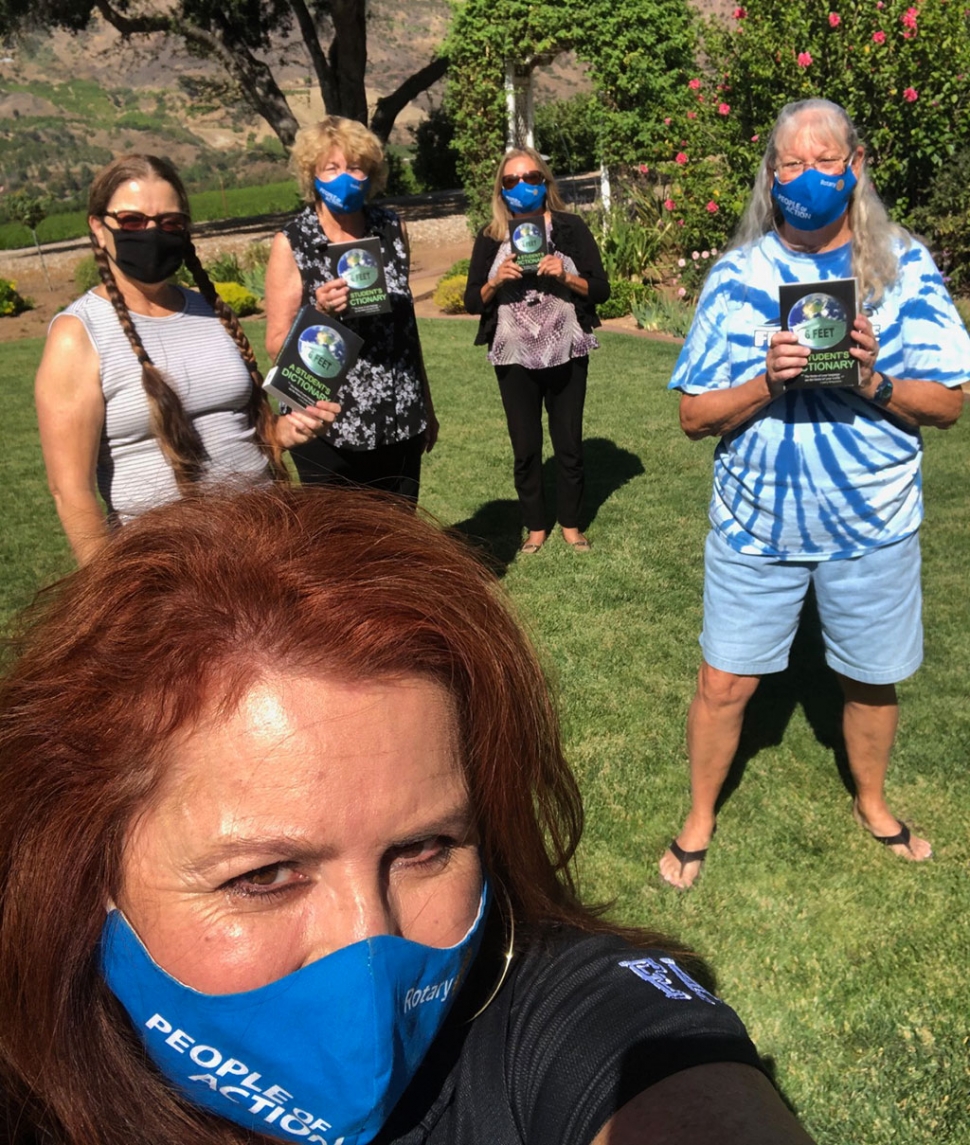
[(31, 211), (237, 34), (637, 52)]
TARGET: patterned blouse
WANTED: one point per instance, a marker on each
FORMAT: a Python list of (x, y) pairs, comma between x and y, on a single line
[(382, 399), (537, 324)]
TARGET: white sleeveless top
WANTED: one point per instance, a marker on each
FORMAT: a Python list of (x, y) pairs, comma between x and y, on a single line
[(202, 364)]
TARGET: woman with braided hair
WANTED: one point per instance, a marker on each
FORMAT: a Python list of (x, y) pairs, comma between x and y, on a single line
[(146, 388)]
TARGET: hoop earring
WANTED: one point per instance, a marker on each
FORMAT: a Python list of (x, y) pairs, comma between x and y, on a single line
[(506, 959)]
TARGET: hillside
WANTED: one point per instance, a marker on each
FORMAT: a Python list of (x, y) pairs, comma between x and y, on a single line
[(69, 103)]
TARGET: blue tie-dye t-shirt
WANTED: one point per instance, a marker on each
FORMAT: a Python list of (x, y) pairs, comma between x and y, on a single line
[(817, 474)]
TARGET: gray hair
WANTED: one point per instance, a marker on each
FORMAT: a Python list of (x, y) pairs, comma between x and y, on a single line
[(874, 234)]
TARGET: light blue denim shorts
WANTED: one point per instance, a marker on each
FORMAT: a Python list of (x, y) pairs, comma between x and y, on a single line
[(870, 607)]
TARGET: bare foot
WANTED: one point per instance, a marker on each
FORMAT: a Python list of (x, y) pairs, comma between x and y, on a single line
[(884, 826), (681, 863)]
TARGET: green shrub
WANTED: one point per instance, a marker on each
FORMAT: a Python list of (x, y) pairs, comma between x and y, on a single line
[(963, 309), (400, 176), (435, 160), (449, 294), (254, 281), (664, 312), (238, 297), (622, 293), (461, 267), (569, 131), (86, 275), (225, 268), (945, 222), (12, 302)]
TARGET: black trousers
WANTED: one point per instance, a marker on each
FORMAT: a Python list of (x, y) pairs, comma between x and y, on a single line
[(391, 468), (562, 389)]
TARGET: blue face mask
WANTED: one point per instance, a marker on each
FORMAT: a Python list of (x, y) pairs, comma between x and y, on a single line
[(345, 194), (813, 200), (524, 198), (321, 1055)]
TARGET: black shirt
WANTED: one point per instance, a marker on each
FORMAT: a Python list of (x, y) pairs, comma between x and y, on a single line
[(581, 1025)]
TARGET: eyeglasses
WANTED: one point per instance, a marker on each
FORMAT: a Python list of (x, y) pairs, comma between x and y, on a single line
[(533, 178), (789, 171), (173, 222)]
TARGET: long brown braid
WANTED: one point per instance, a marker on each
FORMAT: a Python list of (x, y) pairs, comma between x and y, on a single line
[(177, 436), (260, 412)]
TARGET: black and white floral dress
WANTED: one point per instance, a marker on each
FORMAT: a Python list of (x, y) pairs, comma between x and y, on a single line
[(383, 399)]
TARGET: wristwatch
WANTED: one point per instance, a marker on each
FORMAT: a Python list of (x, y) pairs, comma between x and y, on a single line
[(882, 395)]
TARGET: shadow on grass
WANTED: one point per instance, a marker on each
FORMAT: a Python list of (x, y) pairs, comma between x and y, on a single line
[(807, 682), (495, 528)]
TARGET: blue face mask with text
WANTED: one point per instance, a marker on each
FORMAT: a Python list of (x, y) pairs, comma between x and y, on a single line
[(524, 198), (814, 200), (345, 194), (321, 1055)]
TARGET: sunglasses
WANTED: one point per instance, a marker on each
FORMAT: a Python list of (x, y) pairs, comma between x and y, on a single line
[(173, 222), (533, 178)]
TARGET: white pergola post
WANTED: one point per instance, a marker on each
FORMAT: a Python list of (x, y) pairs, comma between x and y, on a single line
[(520, 98), (519, 104)]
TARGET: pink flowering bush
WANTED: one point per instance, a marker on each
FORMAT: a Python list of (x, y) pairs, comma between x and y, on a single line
[(892, 63)]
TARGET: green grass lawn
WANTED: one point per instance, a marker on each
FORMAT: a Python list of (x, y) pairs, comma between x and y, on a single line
[(845, 961)]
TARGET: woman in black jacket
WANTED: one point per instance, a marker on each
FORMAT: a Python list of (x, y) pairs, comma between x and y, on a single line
[(538, 328)]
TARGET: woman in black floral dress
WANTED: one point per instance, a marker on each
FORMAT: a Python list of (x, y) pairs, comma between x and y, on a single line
[(387, 419)]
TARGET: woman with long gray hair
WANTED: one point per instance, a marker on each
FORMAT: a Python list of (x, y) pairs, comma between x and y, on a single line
[(145, 388), (815, 486)]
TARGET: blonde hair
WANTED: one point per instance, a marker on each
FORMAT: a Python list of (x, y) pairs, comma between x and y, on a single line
[(498, 228), (874, 235), (358, 143)]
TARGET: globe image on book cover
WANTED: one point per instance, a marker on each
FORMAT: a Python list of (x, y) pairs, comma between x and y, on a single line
[(358, 268), (819, 321), (527, 238), (322, 350)]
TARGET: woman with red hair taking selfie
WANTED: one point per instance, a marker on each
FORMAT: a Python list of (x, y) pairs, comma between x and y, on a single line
[(285, 845)]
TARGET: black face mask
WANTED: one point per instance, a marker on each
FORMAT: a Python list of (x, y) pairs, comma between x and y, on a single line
[(148, 256)]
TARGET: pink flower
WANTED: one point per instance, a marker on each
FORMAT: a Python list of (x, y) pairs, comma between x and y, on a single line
[(804, 59), (707, 253), (712, 207), (834, 19), (669, 204), (739, 13), (880, 4), (724, 109), (908, 18), (667, 121), (692, 115), (695, 84), (681, 158), (714, 250), (907, 35), (681, 291), (643, 169), (680, 222), (878, 37), (682, 262), (695, 255), (910, 94), (755, 138)]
